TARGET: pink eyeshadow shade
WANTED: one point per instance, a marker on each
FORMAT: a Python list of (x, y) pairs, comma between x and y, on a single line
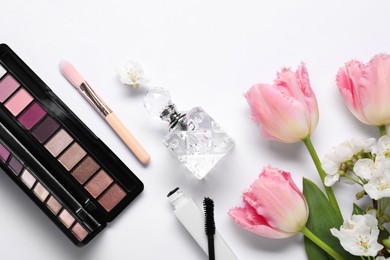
[(79, 232), (112, 197), (98, 183), (8, 85), (53, 205), (18, 101), (66, 218), (72, 156), (4, 153), (28, 179), (41, 192), (31, 116), (58, 142)]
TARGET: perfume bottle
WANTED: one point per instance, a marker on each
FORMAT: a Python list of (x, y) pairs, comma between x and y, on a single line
[(193, 137)]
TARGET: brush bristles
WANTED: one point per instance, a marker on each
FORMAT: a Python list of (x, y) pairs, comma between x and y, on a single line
[(71, 74), (208, 205)]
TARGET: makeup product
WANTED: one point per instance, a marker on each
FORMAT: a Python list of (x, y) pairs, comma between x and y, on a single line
[(209, 225), (75, 78), (76, 180), (192, 218), (194, 137)]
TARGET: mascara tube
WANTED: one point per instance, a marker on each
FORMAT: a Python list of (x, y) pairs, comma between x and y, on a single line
[(192, 218)]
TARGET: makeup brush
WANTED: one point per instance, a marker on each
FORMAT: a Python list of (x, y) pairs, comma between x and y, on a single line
[(208, 205), (75, 78)]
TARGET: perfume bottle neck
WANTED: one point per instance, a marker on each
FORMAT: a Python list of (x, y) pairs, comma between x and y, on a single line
[(174, 118)]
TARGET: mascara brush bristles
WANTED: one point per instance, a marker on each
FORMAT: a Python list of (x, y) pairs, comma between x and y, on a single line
[(208, 205)]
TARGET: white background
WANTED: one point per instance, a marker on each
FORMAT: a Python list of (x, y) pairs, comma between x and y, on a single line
[(206, 53)]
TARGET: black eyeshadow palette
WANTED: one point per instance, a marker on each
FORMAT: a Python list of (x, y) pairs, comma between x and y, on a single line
[(50, 153)]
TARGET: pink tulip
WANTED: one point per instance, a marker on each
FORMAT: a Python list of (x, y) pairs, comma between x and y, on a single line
[(287, 110), (274, 206), (366, 89)]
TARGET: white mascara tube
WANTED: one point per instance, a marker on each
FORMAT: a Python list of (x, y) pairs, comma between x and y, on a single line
[(192, 218)]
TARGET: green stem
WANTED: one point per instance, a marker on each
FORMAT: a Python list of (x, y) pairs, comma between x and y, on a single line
[(382, 130), (310, 235), (352, 179), (317, 162)]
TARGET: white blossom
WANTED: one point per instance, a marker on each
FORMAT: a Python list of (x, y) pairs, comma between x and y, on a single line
[(383, 148), (359, 235), (342, 153), (367, 168), (132, 74), (379, 185)]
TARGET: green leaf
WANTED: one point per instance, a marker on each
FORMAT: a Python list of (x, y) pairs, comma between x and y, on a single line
[(322, 217), (356, 210)]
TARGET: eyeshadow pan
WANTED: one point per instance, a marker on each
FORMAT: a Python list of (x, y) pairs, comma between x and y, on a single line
[(31, 116), (28, 179), (79, 232), (58, 142), (66, 218), (4, 153), (85, 170), (53, 205), (15, 165), (18, 101), (98, 183), (41, 192), (112, 197), (72, 156), (8, 85), (2, 71), (45, 129)]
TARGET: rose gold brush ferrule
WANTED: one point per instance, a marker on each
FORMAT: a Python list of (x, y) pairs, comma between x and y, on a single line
[(89, 94)]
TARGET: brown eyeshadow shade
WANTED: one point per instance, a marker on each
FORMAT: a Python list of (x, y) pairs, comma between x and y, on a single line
[(66, 218), (98, 183), (58, 142), (45, 129), (41, 192), (72, 156), (79, 232), (85, 170), (53, 205), (112, 197)]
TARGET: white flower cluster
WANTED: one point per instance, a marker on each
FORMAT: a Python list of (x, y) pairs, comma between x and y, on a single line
[(362, 161), (359, 235), (367, 163)]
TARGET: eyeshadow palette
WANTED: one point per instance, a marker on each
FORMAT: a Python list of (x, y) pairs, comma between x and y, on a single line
[(68, 170)]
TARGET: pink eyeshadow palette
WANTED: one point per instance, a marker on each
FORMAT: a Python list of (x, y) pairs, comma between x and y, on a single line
[(91, 177)]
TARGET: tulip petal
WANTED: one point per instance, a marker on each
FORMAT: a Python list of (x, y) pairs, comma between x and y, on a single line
[(366, 89), (286, 110), (377, 81), (251, 221), (273, 195)]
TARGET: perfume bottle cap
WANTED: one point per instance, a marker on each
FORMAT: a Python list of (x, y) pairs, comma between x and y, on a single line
[(156, 101)]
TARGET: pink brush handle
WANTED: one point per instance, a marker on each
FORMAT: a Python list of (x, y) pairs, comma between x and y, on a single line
[(128, 138)]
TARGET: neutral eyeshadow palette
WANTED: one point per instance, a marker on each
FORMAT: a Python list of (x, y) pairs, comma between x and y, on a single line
[(49, 152)]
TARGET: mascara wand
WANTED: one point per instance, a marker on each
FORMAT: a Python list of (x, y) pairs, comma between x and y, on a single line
[(208, 205)]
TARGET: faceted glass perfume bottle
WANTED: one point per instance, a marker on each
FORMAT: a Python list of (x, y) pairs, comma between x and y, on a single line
[(194, 137)]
